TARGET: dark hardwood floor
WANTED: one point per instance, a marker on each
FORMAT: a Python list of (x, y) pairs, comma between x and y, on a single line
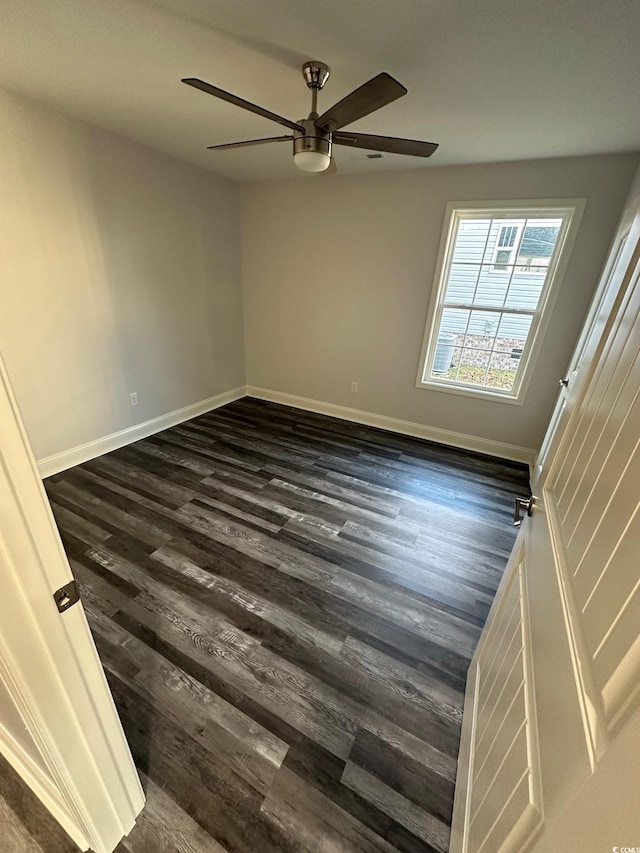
[(286, 605)]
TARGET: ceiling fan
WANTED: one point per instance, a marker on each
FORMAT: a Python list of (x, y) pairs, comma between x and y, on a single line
[(315, 136)]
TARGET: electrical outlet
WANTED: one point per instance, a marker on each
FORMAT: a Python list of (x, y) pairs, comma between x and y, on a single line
[(354, 387), (133, 398)]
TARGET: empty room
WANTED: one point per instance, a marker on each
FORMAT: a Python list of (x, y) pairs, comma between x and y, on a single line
[(319, 426)]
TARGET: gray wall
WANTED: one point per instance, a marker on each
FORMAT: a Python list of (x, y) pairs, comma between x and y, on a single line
[(122, 268), (119, 271), (338, 272)]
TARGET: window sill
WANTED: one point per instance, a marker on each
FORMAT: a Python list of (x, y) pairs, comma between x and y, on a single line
[(469, 391)]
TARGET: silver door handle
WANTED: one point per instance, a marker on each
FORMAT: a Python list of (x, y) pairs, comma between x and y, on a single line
[(564, 383), (520, 504)]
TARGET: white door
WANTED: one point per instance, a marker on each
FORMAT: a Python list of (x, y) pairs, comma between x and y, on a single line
[(58, 724), (599, 314), (552, 712)]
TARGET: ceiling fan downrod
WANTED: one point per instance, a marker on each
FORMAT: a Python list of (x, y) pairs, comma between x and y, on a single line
[(312, 146), (316, 75)]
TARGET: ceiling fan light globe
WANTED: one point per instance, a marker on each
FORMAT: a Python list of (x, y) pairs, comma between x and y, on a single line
[(312, 161)]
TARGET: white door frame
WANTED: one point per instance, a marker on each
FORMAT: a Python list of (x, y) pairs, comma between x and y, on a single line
[(81, 766)]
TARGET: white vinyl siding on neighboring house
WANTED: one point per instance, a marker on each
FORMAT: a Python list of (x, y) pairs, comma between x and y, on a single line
[(498, 267)]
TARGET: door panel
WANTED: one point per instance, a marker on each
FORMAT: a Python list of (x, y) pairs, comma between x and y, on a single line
[(504, 802), (75, 758), (592, 493), (548, 704), (26, 758)]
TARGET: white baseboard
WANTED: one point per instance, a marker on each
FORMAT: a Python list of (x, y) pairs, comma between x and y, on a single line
[(41, 785), (441, 436), (83, 452)]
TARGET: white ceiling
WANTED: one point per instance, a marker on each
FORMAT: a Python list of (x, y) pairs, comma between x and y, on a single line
[(489, 80)]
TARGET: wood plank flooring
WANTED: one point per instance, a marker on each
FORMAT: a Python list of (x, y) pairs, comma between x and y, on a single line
[(285, 605)]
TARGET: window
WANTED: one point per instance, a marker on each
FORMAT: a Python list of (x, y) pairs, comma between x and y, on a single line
[(508, 237), (499, 267)]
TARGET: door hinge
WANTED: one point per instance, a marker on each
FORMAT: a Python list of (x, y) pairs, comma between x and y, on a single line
[(66, 596)]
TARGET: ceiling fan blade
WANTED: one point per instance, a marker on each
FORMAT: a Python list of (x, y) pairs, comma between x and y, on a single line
[(247, 142), (378, 92), (389, 144), (240, 102)]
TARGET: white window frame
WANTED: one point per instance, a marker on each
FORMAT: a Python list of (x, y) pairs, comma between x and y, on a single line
[(571, 211)]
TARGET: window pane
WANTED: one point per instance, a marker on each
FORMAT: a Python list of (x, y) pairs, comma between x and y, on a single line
[(498, 232), (503, 256), (492, 286), (513, 328), (538, 241), (484, 324), (454, 321), (455, 361), (525, 289), (474, 358), (507, 237), (502, 372), (462, 283), (471, 241), (473, 366)]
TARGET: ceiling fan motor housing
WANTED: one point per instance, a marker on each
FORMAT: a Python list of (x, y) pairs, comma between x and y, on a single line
[(311, 148), (313, 139)]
